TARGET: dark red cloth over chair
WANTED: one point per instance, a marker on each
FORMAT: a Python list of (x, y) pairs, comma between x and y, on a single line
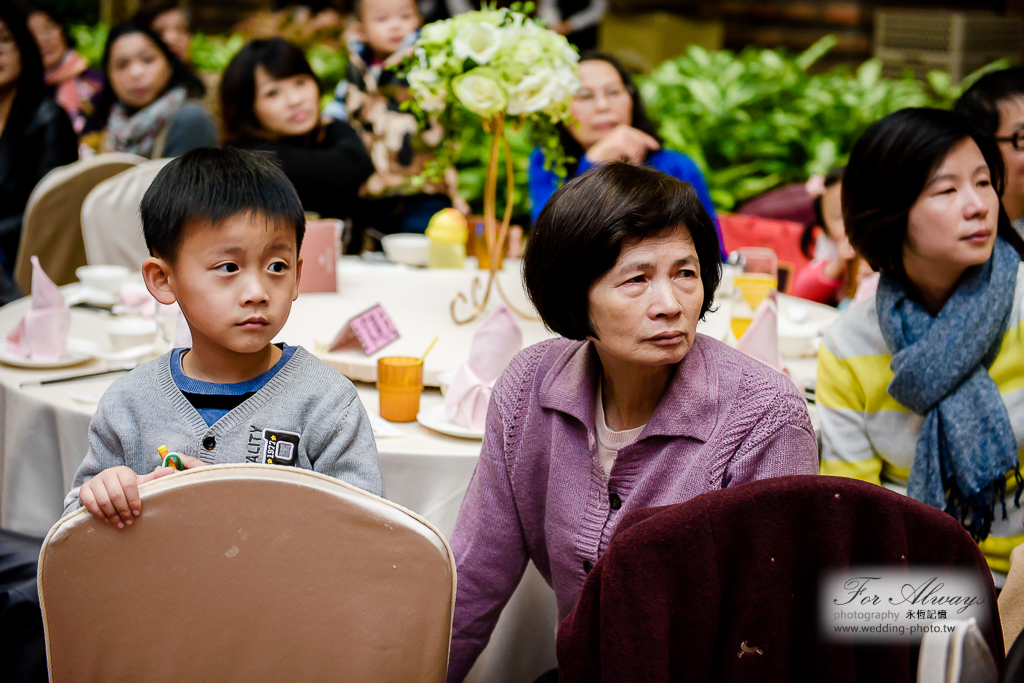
[(685, 590), (782, 237)]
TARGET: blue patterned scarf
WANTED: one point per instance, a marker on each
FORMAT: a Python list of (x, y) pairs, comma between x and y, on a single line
[(940, 370)]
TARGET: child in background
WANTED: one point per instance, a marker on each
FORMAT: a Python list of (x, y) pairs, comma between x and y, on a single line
[(825, 278), (382, 36), (224, 228)]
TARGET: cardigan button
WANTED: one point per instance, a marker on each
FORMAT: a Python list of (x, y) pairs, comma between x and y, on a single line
[(587, 566), (209, 443), (614, 501)]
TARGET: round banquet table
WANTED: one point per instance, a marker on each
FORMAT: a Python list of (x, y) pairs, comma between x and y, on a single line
[(45, 429)]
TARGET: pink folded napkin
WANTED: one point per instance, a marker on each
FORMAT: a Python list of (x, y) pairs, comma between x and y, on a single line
[(761, 340), (43, 333), (494, 344)]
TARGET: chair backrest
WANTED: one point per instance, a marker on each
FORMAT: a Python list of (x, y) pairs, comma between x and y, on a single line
[(111, 225), (956, 653), (249, 573), (726, 586), (52, 226)]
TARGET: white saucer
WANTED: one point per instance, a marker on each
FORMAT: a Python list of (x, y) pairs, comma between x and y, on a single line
[(436, 419), (67, 360)]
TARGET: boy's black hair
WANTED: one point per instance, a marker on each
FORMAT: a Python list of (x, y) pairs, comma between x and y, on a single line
[(209, 184)]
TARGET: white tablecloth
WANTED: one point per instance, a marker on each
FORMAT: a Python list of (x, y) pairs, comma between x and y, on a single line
[(45, 430)]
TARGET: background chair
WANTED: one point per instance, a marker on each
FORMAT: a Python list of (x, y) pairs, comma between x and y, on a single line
[(52, 226), (724, 587), (781, 236), (249, 573), (111, 224)]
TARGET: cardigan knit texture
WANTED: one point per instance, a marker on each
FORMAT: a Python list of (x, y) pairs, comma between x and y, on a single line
[(306, 398), (540, 493)]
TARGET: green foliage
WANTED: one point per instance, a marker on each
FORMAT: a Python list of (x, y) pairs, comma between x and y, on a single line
[(758, 119), (90, 40), (471, 161), (329, 65), (213, 53)]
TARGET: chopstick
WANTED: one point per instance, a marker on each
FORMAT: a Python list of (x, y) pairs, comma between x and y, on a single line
[(73, 378)]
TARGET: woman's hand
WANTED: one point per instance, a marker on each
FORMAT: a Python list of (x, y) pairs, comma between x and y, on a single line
[(623, 143), (113, 494), (837, 268)]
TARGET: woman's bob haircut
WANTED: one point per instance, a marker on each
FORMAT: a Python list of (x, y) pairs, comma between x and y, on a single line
[(581, 231), (889, 166), (280, 59)]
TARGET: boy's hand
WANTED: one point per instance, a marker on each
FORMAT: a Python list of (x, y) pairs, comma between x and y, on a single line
[(113, 494)]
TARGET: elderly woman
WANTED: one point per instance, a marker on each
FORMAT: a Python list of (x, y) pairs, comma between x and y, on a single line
[(631, 409), (920, 386), (610, 124)]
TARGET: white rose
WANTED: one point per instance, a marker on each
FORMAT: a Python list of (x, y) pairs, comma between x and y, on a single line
[(534, 93), (433, 99), (478, 42), (528, 51), (436, 33), (480, 92)]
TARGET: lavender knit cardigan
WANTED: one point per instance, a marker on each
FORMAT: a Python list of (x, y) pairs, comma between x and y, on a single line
[(539, 492)]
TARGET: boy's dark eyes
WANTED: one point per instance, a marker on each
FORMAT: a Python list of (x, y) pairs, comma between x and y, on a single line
[(278, 267), (228, 267)]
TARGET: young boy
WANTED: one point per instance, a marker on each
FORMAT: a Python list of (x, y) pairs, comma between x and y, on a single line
[(369, 99), (223, 227)]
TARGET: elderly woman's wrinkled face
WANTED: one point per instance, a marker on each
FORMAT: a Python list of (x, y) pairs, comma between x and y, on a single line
[(10, 58), (645, 309), (138, 70)]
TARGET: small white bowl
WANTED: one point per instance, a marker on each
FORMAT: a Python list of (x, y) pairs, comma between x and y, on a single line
[(108, 279), (125, 333), (410, 249), (795, 338)]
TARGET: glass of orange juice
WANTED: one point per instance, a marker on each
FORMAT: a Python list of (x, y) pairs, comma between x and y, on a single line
[(400, 383), (759, 277)]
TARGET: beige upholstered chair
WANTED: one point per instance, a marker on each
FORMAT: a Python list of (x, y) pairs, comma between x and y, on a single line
[(52, 226), (111, 225), (249, 573)]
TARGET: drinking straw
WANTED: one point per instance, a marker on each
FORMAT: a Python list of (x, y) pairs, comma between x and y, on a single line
[(424, 357)]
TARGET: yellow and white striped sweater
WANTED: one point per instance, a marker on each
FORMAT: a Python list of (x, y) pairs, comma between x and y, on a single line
[(868, 435)]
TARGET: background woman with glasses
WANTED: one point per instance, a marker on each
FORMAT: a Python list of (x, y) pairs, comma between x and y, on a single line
[(35, 134), (611, 125), (994, 106)]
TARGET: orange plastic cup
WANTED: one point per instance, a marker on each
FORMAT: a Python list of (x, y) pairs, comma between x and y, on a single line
[(400, 383)]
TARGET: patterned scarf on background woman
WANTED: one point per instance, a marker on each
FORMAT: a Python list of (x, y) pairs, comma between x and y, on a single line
[(940, 370), (137, 133)]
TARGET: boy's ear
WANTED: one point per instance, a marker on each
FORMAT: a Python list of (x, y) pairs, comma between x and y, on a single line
[(298, 278), (157, 274)]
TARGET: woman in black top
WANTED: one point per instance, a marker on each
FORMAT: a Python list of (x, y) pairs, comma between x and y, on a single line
[(35, 134), (270, 100)]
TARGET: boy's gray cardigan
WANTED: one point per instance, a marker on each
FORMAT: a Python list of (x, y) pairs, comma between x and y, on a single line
[(306, 400)]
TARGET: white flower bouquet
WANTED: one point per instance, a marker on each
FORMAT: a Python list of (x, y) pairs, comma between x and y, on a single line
[(500, 68)]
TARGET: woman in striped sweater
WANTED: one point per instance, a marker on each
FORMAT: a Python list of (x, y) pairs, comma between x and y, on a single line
[(922, 387)]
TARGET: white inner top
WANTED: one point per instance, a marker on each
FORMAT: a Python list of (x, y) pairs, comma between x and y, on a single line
[(608, 441)]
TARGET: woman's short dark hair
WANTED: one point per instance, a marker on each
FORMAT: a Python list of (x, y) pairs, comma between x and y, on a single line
[(181, 75), (640, 119), (980, 103), (581, 231), (280, 59), (31, 86), (889, 166)]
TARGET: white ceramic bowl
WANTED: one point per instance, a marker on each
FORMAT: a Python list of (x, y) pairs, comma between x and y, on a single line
[(795, 338), (409, 249), (108, 279), (125, 333)]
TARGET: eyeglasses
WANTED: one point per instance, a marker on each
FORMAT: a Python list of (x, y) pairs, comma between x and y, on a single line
[(1017, 140), (587, 97)]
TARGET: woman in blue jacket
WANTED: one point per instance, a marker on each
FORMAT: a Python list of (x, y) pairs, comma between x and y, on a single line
[(611, 125)]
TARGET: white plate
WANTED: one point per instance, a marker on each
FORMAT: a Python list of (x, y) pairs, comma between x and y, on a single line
[(67, 360), (436, 419)]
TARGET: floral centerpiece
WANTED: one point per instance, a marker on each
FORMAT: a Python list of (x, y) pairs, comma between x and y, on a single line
[(500, 68)]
